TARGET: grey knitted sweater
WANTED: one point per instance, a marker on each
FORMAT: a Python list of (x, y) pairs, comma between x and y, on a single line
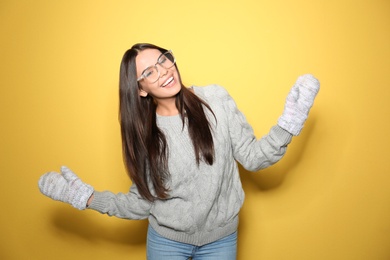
[(204, 200)]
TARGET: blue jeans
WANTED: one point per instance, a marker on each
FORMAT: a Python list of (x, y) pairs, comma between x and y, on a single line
[(161, 248)]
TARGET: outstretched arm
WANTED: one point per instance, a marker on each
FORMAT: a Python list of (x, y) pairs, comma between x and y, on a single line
[(255, 154), (68, 188)]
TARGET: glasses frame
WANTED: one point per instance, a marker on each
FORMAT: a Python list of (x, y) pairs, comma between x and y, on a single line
[(155, 66)]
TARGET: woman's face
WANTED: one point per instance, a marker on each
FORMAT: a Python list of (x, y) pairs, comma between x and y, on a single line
[(167, 84)]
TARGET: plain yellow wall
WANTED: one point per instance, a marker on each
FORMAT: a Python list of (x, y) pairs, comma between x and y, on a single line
[(329, 198)]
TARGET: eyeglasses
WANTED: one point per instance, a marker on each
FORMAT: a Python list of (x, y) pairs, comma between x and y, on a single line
[(151, 73)]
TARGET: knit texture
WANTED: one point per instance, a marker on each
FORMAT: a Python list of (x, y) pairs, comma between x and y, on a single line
[(298, 103), (65, 187), (204, 200)]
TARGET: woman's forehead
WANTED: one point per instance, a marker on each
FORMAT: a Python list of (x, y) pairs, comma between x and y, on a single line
[(146, 58)]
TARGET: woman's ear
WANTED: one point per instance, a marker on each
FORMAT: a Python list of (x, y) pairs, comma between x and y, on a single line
[(143, 93)]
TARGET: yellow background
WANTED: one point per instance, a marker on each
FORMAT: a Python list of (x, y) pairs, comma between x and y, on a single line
[(329, 198)]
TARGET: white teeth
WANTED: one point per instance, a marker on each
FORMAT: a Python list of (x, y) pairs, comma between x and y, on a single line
[(167, 82)]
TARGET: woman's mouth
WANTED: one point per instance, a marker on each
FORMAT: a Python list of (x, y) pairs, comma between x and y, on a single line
[(168, 82)]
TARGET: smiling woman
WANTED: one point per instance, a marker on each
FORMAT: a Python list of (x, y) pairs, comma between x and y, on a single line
[(181, 147), (328, 198), (142, 139)]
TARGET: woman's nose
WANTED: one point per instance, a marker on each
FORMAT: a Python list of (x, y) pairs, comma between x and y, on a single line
[(163, 71)]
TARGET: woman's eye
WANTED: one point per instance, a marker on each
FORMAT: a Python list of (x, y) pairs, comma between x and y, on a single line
[(148, 73)]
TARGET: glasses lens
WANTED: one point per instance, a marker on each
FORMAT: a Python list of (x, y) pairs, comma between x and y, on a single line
[(167, 60), (151, 74)]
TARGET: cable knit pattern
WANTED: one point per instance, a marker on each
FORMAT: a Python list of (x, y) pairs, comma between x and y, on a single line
[(204, 200)]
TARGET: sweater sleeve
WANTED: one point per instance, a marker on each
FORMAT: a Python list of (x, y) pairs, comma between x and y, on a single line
[(130, 205), (252, 153)]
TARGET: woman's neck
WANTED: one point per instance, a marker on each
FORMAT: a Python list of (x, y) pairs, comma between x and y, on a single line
[(167, 108)]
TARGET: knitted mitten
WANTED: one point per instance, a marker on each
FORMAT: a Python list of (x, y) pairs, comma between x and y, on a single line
[(298, 103), (65, 187)]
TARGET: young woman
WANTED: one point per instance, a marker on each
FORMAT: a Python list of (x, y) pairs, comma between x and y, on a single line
[(180, 148)]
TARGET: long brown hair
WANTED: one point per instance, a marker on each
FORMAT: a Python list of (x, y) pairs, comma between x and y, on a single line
[(145, 149)]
